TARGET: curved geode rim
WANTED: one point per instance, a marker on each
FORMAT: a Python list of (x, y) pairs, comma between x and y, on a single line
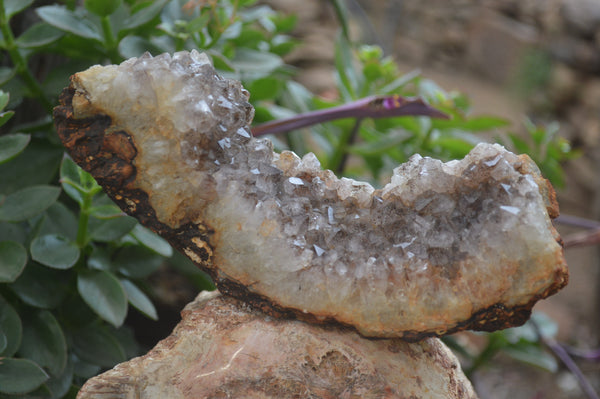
[(110, 161)]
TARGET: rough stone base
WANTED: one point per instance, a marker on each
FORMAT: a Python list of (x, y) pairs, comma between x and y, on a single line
[(224, 349)]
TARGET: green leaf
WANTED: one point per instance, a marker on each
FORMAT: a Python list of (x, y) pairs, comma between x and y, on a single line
[(44, 342), (346, 73), (11, 327), (20, 376), (134, 46), (13, 258), (54, 251), (12, 145), (41, 286), (102, 8), (152, 241), (3, 341), (108, 211), (85, 369), (36, 165), (255, 63), (68, 21), (59, 385), (476, 124), (104, 294), (5, 116), (95, 345), (265, 88), (13, 7), (12, 232), (58, 219), (69, 179), (99, 259), (6, 74), (39, 35), (111, 229), (139, 300), (533, 355), (4, 97), (27, 203), (382, 144), (145, 15), (137, 261)]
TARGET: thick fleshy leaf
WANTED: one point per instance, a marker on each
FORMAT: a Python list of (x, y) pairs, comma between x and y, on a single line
[(36, 165), (58, 219), (60, 385), (20, 376), (12, 232), (39, 35), (102, 8), (137, 261), (139, 300), (3, 341), (54, 251), (13, 7), (13, 258), (66, 20), (81, 368), (99, 259), (10, 325), (103, 292), (12, 145), (134, 46), (27, 203), (533, 355), (255, 63), (69, 179), (152, 241), (111, 229), (44, 342), (96, 345), (145, 14), (41, 286)]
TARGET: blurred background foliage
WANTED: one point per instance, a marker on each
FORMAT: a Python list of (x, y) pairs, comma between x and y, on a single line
[(72, 265)]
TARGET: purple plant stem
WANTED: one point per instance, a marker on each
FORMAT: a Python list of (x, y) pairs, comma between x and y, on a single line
[(577, 222), (368, 107), (563, 355)]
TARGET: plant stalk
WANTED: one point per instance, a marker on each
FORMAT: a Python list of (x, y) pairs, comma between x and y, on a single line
[(19, 61)]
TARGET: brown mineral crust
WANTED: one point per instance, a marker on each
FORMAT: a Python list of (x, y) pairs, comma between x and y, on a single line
[(222, 348)]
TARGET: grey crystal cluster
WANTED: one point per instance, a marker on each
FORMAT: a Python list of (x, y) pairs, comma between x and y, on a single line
[(437, 244)]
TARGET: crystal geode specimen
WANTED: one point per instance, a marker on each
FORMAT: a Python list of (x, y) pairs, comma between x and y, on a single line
[(443, 247)]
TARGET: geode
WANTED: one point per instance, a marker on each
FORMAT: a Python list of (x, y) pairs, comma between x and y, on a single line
[(443, 247)]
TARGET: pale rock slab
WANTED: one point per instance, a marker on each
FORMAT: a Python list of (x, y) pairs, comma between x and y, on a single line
[(224, 349)]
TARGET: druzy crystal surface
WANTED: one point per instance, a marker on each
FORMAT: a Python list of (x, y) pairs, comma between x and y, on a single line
[(442, 247)]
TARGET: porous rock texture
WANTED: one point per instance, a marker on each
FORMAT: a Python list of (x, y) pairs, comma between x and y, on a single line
[(443, 247), (224, 349)]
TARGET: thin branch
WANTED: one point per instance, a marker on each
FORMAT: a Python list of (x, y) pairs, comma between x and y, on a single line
[(368, 107), (562, 354), (577, 222), (586, 238)]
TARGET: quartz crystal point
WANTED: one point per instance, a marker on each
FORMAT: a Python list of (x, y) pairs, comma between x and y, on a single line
[(443, 247)]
